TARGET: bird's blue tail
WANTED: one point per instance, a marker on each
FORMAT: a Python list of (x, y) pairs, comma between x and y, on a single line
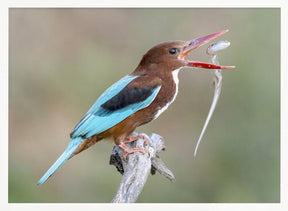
[(73, 145)]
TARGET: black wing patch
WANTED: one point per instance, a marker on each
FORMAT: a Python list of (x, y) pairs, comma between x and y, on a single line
[(128, 96)]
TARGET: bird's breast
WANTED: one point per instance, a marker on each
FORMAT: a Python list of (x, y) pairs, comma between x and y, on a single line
[(170, 92)]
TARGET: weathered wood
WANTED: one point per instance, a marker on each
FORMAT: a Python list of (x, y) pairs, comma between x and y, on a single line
[(137, 166)]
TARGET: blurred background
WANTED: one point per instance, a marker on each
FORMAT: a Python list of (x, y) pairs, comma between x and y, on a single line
[(61, 60)]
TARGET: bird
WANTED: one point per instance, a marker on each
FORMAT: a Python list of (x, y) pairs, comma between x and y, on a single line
[(135, 99)]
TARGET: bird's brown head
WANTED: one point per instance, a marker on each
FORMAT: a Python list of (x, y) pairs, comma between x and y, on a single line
[(171, 55), (166, 54)]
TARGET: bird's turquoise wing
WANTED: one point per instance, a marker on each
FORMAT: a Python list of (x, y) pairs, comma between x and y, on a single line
[(111, 91), (113, 106)]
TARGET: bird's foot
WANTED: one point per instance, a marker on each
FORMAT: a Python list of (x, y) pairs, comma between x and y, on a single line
[(134, 138), (129, 150), (137, 149)]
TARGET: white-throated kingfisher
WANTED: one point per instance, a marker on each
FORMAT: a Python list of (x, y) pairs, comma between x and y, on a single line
[(136, 99)]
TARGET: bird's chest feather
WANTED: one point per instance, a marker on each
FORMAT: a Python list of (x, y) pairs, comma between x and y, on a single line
[(167, 94)]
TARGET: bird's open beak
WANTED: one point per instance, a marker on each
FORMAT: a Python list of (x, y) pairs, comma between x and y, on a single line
[(193, 44)]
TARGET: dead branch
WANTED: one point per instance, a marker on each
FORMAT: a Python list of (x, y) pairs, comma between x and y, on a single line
[(136, 168)]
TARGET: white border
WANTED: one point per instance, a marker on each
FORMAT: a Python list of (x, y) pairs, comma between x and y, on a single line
[(5, 5), (146, 4)]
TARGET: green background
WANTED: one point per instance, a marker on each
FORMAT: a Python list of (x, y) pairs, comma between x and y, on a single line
[(61, 60)]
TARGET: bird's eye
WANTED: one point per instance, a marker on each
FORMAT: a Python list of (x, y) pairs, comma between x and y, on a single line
[(173, 50)]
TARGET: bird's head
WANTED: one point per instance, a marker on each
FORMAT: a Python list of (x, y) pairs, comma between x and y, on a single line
[(172, 54)]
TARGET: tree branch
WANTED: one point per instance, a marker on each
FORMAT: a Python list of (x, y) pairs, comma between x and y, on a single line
[(136, 168)]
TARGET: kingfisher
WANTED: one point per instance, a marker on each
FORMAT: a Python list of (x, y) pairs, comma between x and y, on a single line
[(135, 99)]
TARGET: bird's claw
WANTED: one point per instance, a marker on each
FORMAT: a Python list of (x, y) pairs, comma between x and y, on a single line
[(137, 149), (129, 150), (134, 138)]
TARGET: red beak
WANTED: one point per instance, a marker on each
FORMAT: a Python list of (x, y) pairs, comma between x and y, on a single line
[(193, 44)]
